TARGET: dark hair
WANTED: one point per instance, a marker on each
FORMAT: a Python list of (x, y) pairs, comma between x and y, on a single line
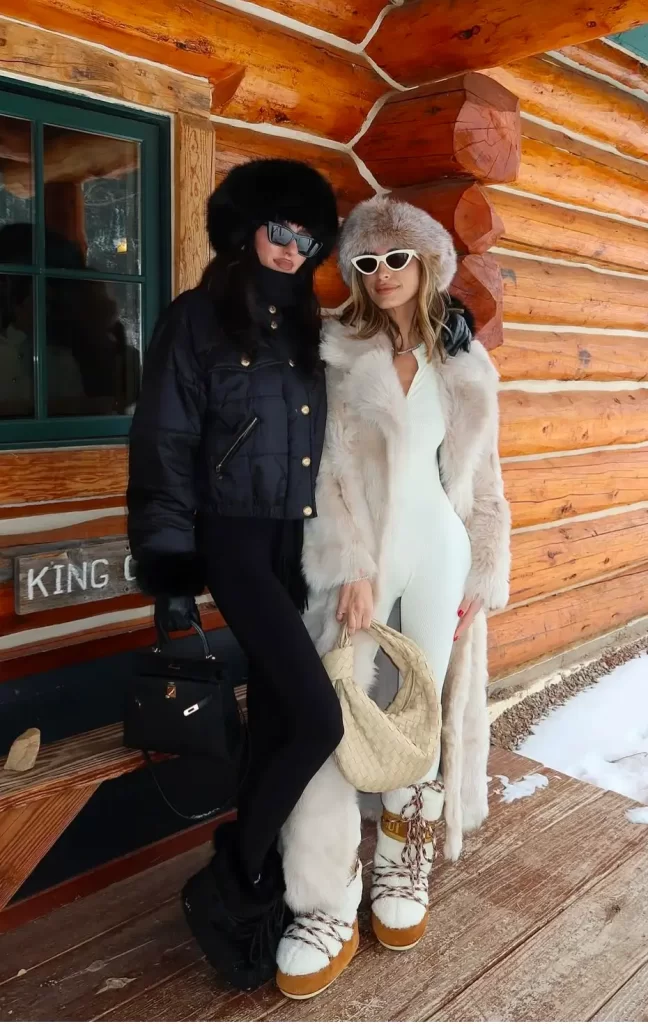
[(231, 283)]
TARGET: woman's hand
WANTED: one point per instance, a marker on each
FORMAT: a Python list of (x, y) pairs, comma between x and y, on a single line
[(467, 612), (356, 604)]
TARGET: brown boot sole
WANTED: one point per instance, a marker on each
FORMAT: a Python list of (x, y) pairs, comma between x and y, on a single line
[(307, 986), (399, 939)]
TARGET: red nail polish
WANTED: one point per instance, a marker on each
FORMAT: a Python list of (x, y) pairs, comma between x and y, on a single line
[(461, 613), (455, 636)]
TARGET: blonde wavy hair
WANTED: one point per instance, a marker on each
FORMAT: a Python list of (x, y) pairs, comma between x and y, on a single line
[(367, 319)]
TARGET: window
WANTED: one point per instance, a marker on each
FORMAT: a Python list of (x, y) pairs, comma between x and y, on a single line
[(84, 262)]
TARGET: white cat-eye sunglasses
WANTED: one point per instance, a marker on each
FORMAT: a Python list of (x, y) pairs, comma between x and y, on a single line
[(397, 259)]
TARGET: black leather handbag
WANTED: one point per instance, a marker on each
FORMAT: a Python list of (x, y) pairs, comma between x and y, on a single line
[(183, 706)]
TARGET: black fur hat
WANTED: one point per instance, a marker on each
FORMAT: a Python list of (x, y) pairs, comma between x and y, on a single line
[(262, 190)]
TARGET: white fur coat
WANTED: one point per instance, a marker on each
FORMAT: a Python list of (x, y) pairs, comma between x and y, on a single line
[(355, 501)]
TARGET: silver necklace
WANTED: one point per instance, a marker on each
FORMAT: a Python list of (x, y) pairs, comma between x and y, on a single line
[(404, 351)]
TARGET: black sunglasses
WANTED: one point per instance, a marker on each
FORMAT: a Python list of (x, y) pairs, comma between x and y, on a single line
[(281, 234)]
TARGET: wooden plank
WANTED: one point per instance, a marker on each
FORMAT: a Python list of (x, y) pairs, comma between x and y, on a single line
[(599, 56), (560, 355), (548, 293), (534, 226), (567, 177), (572, 965), (630, 1002), (464, 209), (28, 832), (478, 283), (478, 922), (236, 145), (62, 60), (79, 574), (194, 182), (90, 529), (12, 623), (458, 128), (43, 508), (438, 38), (555, 92), (529, 633), (62, 474), (534, 422), (87, 645), (545, 561), (261, 72), (547, 489)]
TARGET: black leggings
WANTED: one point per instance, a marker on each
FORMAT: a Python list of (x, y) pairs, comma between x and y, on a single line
[(294, 716)]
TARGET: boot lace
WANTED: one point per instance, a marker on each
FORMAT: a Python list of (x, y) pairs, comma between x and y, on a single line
[(313, 929), (408, 879)]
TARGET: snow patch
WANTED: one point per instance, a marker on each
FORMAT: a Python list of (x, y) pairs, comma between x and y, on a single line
[(638, 815), (600, 735), (526, 786)]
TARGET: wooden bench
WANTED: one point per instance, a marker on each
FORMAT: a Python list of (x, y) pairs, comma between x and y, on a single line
[(37, 806)]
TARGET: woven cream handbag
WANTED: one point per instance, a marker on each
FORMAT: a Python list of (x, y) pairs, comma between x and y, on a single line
[(384, 750)]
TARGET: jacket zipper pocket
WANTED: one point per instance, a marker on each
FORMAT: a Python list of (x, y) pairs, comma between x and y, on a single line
[(237, 443)]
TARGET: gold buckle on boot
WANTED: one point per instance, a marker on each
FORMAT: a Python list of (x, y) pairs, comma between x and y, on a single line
[(397, 828)]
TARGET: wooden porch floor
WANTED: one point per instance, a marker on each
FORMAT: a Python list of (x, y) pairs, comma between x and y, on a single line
[(544, 919)]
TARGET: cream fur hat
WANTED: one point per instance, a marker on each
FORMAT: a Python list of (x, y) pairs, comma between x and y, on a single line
[(382, 221)]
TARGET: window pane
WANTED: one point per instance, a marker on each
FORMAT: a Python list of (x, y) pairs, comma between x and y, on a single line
[(16, 190), (93, 347), (16, 346), (92, 201)]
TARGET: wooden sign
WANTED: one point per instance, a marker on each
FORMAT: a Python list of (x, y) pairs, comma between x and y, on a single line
[(76, 575)]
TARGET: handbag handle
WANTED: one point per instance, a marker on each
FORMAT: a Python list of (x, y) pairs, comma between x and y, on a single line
[(163, 640), (402, 651)]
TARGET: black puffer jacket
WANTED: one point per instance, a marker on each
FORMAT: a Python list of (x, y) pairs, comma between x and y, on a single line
[(217, 432)]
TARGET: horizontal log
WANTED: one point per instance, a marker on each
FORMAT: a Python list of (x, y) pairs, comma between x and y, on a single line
[(478, 283), (550, 293), (532, 423), (560, 355), (599, 56), (43, 508), (104, 526), (12, 623), (584, 181), (261, 72), (433, 39), (548, 489), (350, 19), (237, 145), (329, 286), (62, 474), (606, 156), (61, 60), (537, 631), (464, 209), (558, 93), (532, 225), (87, 645), (467, 127), (546, 561)]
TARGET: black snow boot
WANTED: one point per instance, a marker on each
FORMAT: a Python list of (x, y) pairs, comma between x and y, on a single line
[(237, 924)]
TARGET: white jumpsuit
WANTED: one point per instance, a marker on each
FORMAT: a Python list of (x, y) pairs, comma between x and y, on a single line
[(427, 557)]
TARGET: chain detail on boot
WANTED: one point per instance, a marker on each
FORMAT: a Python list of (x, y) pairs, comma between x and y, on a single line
[(415, 857)]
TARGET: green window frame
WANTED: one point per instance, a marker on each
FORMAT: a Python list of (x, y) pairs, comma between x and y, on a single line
[(47, 107)]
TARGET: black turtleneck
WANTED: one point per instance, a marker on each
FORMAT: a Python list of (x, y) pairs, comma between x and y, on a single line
[(275, 287)]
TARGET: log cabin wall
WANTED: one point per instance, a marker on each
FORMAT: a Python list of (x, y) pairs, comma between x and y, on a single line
[(383, 97)]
